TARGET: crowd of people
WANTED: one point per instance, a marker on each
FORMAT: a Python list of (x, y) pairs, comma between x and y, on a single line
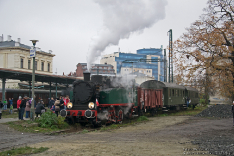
[(24, 106)]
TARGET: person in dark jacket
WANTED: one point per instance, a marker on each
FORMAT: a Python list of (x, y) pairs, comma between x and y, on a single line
[(61, 103), (1, 105), (22, 107), (51, 103), (233, 112), (39, 108), (188, 99), (57, 106)]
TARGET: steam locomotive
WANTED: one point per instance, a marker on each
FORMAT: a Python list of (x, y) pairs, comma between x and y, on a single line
[(111, 99)]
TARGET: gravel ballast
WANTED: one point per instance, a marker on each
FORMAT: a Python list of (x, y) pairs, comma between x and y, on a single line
[(217, 111)]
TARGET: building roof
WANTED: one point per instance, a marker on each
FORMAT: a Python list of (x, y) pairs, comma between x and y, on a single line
[(108, 65), (11, 44)]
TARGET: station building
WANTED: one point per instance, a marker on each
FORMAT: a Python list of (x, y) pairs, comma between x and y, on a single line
[(151, 69), (15, 55)]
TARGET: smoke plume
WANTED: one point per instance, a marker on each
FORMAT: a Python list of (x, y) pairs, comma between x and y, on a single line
[(121, 18)]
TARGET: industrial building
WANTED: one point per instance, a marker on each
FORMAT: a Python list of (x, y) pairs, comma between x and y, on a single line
[(96, 69), (140, 62)]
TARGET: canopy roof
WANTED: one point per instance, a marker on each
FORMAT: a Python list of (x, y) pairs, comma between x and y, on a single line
[(27, 76)]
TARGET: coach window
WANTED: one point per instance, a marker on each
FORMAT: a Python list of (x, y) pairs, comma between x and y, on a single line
[(176, 92), (169, 91), (173, 93)]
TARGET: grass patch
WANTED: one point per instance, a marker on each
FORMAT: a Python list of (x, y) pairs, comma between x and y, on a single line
[(84, 131), (188, 112), (23, 151), (142, 118), (6, 114), (44, 124), (163, 115)]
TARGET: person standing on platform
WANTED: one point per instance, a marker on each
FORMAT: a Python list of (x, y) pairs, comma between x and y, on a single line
[(5, 105), (57, 106), (51, 103), (27, 108), (61, 103), (39, 108), (66, 101), (18, 106), (22, 107), (11, 104)]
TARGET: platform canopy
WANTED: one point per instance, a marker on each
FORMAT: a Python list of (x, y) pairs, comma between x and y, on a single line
[(27, 76)]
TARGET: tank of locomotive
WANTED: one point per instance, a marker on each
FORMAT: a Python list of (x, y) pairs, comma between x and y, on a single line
[(173, 94), (115, 96), (192, 93), (83, 94)]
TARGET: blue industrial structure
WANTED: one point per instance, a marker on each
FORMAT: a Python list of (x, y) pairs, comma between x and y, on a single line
[(151, 53)]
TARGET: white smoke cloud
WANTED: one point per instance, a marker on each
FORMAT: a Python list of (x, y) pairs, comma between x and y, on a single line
[(121, 18)]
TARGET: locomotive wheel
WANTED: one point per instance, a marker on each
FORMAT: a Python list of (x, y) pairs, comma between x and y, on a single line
[(120, 115)]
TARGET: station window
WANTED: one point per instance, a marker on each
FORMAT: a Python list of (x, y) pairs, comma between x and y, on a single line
[(21, 63), (48, 67), (42, 66), (35, 65), (29, 64)]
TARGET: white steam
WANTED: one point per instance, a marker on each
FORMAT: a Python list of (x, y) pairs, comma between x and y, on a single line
[(121, 18)]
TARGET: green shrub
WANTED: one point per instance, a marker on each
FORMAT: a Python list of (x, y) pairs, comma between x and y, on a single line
[(142, 118), (48, 119), (61, 123), (54, 127)]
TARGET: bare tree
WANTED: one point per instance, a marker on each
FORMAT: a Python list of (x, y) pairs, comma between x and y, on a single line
[(207, 48)]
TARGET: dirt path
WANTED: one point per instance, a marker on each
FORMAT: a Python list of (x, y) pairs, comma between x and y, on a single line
[(10, 138), (160, 136)]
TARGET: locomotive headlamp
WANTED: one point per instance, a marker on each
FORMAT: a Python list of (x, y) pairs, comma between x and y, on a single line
[(91, 105), (69, 105)]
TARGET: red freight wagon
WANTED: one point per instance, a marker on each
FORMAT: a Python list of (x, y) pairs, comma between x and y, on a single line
[(149, 100)]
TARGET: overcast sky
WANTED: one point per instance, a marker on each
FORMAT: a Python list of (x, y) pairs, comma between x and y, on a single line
[(68, 27)]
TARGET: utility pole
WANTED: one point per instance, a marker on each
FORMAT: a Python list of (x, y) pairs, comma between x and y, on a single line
[(33, 55), (170, 57), (165, 66)]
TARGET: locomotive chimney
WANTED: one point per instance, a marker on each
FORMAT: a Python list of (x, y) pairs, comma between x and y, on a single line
[(86, 76)]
